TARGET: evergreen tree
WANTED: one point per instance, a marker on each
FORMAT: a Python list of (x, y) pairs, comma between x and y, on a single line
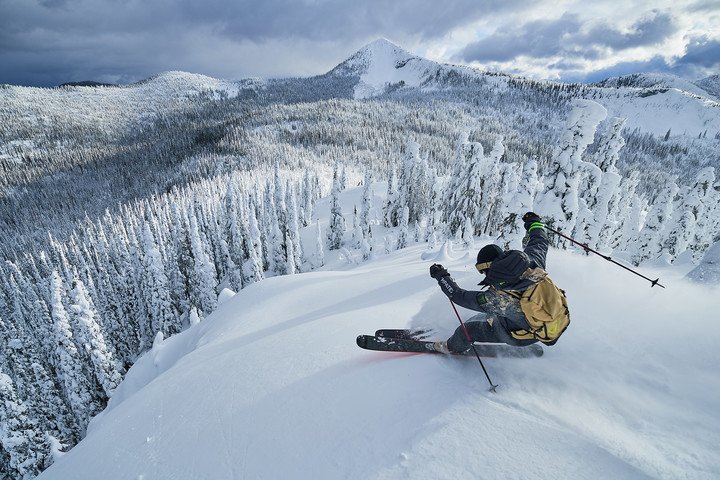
[(202, 279), (491, 188), (391, 212), (704, 211), (468, 237), (156, 290), (293, 230), (404, 233), (337, 221), (308, 200), (277, 248), (26, 446), (366, 207), (515, 203), (252, 268), (104, 366), (466, 193), (620, 213), (68, 361), (559, 200), (318, 258), (649, 244)]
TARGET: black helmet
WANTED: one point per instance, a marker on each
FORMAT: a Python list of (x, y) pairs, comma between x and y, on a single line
[(486, 255)]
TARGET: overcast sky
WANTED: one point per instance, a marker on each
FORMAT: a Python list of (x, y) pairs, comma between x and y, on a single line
[(48, 42)]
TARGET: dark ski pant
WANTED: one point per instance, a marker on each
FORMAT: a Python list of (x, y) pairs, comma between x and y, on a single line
[(502, 314)]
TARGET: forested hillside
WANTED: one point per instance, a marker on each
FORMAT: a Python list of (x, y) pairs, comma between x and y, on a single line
[(125, 211)]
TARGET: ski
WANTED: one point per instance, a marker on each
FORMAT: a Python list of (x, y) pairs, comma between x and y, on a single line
[(420, 334), (408, 345)]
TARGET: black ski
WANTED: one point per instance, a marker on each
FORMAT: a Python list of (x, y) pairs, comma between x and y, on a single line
[(420, 334), (384, 344)]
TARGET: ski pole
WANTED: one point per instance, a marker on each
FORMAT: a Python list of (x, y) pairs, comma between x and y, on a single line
[(606, 257), (493, 387)]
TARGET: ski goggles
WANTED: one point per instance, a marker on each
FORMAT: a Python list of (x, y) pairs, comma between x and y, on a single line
[(483, 267)]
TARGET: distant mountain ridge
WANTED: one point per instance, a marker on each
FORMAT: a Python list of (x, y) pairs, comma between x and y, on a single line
[(703, 87), (653, 103), (88, 83), (711, 85)]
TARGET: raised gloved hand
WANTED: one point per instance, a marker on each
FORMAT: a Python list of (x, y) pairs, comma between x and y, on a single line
[(437, 271), (530, 219)]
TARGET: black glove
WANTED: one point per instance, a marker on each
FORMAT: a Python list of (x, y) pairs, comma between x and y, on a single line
[(437, 271), (529, 218)]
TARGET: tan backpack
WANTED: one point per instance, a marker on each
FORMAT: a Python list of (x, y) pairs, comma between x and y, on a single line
[(545, 308)]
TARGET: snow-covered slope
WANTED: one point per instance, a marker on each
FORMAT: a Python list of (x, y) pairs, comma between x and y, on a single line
[(657, 110), (272, 386), (708, 271), (107, 107)]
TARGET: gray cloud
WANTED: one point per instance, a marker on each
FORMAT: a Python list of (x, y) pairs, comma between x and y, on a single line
[(701, 59), (704, 6), (540, 38), (566, 36), (703, 52), (649, 30), (656, 64), (46, 42)]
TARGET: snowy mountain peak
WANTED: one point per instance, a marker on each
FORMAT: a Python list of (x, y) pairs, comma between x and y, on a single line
[(381, 64), (376, 55)]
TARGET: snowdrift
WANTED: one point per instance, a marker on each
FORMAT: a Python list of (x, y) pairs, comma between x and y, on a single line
[(272, 386)]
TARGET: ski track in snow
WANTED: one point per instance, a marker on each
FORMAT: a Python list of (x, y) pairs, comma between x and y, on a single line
[(273, 386)]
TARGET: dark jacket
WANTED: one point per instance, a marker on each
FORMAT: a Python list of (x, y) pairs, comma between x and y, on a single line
[(504, 273)]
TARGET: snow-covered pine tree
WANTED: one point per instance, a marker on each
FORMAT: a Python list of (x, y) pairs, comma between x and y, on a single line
[(252, 268), (391, 212), (357, 236), (692, 229), (414, 186), (515, 203), (234, 222), (26, 447), (156, 289), (90, 337), (600, 203), (559, 200), (620, 213), (649, 244), (293, 228), (632, 223), (468, 238), (704, 211), (318, 257), (404, 233), (491, 190), (337, 221), (465, 193), (180, 262), (67, 360), (366, 206), (279, 198), (277, 247), (308, 199), (25, 361), (202, 279)]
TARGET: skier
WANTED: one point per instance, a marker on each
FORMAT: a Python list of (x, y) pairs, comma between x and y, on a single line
[(508, 275)]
